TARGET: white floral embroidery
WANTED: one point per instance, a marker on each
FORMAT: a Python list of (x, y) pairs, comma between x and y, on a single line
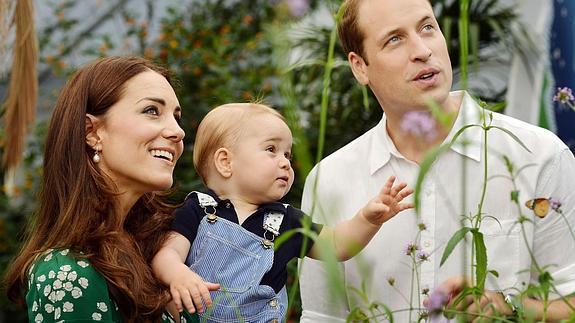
[(51, 274), (57, 313), (39, 318), (66, 268), (72, 276), (102, 306), (52, 297), (68, 307), (82, 263), (41, 278), (96, 316), (49, 308), (60, 295), (34, 306), (47, 290), (64, 252), (68, 286), (83, 282), (76, 292), (57, 284), (62, 275), (48, 257)]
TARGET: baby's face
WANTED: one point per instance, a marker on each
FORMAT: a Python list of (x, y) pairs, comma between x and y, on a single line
[(261, 159)]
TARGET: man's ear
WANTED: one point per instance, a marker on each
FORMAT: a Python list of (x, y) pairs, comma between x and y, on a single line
[(223, 162), (358, 67), (92, 123)]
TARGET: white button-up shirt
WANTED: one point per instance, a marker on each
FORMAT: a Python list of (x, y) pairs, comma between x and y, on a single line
[(351, 176)]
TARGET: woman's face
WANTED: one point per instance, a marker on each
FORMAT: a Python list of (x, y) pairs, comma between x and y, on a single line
[(140, 138)]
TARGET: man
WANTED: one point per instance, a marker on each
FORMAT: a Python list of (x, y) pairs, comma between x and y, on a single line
[(397, 49)]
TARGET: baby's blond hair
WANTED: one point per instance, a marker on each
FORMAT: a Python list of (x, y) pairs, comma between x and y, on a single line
[(221, 128)]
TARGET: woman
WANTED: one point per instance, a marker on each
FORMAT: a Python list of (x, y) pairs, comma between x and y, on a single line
[(113, 141)]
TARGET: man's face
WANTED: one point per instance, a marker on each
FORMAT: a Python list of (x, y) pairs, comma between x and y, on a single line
[(407, 54)]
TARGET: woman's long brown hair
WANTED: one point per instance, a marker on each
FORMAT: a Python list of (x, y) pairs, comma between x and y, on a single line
[(77, 203)]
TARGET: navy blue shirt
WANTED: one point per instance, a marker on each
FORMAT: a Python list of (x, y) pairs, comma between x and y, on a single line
[(188, 217)]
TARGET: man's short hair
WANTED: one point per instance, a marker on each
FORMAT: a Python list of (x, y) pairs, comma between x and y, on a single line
[(350, 34)]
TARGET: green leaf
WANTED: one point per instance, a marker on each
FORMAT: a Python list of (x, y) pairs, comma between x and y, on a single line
[(452, 243), (512, 135), (480, 258), (515, 196)]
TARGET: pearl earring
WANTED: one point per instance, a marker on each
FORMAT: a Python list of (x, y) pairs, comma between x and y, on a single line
[(96, 157)]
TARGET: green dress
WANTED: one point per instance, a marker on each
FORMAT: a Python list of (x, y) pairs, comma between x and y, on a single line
[(64, 289)]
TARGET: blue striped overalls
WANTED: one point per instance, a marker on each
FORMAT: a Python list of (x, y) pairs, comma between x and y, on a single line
[(224, 252)]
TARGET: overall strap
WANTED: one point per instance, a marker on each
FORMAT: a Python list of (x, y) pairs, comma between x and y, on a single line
[(206, 201), (272, 223)]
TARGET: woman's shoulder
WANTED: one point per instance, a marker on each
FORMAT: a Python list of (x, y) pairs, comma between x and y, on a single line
[(62, 286)]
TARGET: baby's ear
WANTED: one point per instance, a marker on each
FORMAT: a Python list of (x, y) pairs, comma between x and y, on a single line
[(223, 162)]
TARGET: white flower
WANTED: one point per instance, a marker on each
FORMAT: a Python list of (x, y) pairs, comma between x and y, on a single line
[(102, 306), (52, 297), (47, 290), (68, 307), (68, 286), (82, 263), (64, 252), (66, 268), (39, 318), (61, 275), (96, 316), (72, 276), (34, 306), (42, 278), (57, 313), (49, 308), (48, 257), (83, 282), (76, 292), (51, 274), (57, 284), (60, 295)]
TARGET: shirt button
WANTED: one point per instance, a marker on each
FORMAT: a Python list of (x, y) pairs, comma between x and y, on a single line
[(427, 244)]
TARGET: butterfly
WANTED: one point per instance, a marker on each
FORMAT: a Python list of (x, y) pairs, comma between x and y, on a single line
[(540, 206)]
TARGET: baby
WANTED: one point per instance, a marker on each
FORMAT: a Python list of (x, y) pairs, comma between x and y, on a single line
[(221, 256)]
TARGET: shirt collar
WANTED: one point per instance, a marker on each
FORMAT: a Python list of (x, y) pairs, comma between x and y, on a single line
[(382, 146), (469, 113), (271, 206)]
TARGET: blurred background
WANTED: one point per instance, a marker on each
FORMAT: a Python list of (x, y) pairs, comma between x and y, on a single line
[(245, 50)]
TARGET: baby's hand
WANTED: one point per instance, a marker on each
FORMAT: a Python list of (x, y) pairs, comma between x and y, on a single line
[(387, 203), (189, 289)]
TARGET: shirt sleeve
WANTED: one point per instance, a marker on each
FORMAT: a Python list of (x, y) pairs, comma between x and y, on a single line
[(187, 218), (298, 219), (555, 231), (62, 288)]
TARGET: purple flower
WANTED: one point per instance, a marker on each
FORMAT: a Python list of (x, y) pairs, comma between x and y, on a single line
[(437, 299), (564, 96), (555, 204), (411, 248), (298, 8), (419, 124), (422, 255)]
